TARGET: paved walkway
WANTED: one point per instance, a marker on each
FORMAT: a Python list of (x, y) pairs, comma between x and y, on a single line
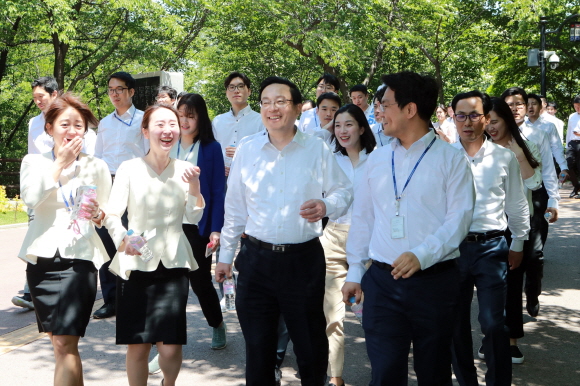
[(551, 346)]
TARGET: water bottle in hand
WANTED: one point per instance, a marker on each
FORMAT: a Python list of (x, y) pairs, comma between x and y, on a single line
[(548, 216), (230, 294), (357, 309), (140, 244), (84, 194), (561, 180)]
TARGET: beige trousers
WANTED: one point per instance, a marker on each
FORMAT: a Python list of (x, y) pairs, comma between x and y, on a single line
[(333, 241)]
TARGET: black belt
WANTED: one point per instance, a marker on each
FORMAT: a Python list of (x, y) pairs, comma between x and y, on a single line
[(283, 248), (479, 237), (431, 270)]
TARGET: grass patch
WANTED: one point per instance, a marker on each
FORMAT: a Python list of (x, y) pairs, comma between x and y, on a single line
[(8, 218)]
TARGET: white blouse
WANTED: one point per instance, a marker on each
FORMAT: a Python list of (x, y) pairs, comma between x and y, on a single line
[(154, 202), (50, 229)]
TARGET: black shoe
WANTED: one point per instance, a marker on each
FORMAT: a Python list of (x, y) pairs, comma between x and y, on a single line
[(106, 311), (332, 384), (278, 375), (574, 193), (517, 356), (533, 307)]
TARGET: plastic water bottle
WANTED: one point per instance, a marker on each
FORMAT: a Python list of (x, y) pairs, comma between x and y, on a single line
[(140, 244), (84, 194), (561, 180), (230, 294), (548, 216), (357, 309), (228, 160)]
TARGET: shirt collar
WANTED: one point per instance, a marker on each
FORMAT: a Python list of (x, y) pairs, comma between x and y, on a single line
[(128, 114), (300, 138), (242, 112), (424, 141)]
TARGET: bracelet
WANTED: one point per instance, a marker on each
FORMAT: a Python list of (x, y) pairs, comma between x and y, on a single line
[(98, 213)]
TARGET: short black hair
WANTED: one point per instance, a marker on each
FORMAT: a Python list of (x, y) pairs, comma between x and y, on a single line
[(515, 91), (294, 91), (553, 104), (380, 94), (48, 83), (236, 74), (537, 97), (329, 79), (577, 99), (411, 87), (485, 99), (359, 87), (367, 138), (329, 95), (195, 105), (125, 77), (170, 91), (181, 94)]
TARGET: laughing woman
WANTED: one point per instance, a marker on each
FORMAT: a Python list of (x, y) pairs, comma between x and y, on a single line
[(63, 257), (157, 191), (354, 142)]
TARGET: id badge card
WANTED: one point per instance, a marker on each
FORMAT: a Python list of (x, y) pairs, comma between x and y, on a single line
[(398, 227)]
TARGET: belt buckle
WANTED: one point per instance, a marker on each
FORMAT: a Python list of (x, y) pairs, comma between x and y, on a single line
[(278, 248)]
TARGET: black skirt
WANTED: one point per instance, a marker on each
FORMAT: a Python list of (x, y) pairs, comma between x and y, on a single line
[(151, 306), (63, 292)]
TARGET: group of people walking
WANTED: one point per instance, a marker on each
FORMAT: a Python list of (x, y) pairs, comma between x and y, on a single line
[(412, 254)]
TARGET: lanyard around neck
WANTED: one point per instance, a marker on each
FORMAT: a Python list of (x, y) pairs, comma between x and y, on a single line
[(122, 121), (397, 196), (188, 153)]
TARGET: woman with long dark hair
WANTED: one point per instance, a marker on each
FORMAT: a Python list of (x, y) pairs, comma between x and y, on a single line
[(504, 131), (63, 256), (354, 141)]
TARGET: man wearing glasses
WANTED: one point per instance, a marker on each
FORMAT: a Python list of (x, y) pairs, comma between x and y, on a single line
[(484, 256), (231, 127), (309, 121), (280, 187), (119, 138)]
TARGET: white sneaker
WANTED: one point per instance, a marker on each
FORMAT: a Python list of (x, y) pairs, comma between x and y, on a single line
[(25, 301), (223, 305), (154, 365)]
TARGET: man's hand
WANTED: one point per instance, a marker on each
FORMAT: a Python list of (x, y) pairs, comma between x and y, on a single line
[(223, 271), (554, 212), (515, 259), (313, 210), (405, 265), (230, 151), (227, 171), (350, 289)]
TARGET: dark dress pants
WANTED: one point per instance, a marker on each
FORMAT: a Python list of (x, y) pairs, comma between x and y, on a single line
[(107, 278), (290, 284), (201, 279), (421, 310), (573, 161), (483, 264), (538, 236)]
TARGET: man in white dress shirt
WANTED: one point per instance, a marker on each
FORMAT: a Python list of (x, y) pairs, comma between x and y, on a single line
[(550, 114), (484, 255), (309, 119), (573, 144), (411, 235), (359, 95), (544, 200), (231, 127), (119, 139), (280, 186)]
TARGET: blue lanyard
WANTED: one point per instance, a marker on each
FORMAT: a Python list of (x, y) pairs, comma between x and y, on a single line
[(397, 196), (122, 121), (379, 134), (71, 204), (179, 148)]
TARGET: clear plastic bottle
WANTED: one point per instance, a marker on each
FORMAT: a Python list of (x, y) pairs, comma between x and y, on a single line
[(561, 180), (84, 194), (357, 309), (230, 294), (548, 216), (140, 244), (228, 160)]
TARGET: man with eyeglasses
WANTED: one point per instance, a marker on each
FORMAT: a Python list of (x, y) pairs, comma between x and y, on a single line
[(119, 138), (240, 121), (280, 186), (411, 235), (484, 255), (309, 119), (544, 201)]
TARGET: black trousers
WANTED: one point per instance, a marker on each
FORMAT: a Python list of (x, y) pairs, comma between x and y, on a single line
[(109, 280), (290, 284), (573, 161), (201, 279), (421, 310)]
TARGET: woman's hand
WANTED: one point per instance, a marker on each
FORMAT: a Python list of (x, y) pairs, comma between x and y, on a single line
[(129, 250), (516, 149), (69, 151), (191, 176), (92, 207), (215, 239)]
